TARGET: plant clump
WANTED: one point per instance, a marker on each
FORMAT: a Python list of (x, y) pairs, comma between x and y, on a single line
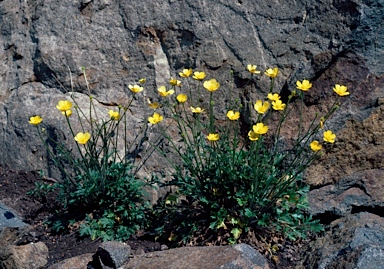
[(100, 192), (225, 182)]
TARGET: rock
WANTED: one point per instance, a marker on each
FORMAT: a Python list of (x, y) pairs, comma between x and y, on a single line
[(10, 236), (225, 257), (78, 262), (361, 191), (31, 256), (43, 42), (359, 147), (9, 218), (355, 241), (111, 254)]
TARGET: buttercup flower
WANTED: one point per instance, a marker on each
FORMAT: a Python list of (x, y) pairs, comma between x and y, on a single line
[(186, 73), (155, 119), (64, 105), (329, 136), (82, 138), (198, 75), (322, 120), (253, 136), (135, 88), (175, 82), (315, 145), (197, 110), (114, 114), (272, 73), (67, 113), (252, 69), (273, 96), (340, 90), (163, 91), (233, 115), (260, 128), (154, 105), (213, 137), (211, 85), (261, 107), (142, 80), (278, 105), (181, 98), (35, 120), (304, 86)]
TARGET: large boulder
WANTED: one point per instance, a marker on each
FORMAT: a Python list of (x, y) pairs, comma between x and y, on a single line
[(225, 257)]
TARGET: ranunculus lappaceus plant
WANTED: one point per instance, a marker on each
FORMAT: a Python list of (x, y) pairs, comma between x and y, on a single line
[(226, 183), (99, 188)]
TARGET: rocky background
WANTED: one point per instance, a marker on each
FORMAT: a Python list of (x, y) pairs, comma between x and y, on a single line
[(42, 42)]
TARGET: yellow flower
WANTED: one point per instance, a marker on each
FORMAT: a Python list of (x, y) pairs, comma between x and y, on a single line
[(186, 73), (278, 105), (213, 137), (233, 115), (261, 107), (135, 88), (35, 120), (198, 75), (67, 113), (211, 85), (340, 90), (322, 120), (304, 86), (163, 91), (175, 82), (260, 128), (253, 136), (315, 145), (64, 105), (142, 80), (273, 96), (154, 105), (155, 119), (181, 98), (197, 110), (272, 73), (329, 136), (252, 69), (114, 114), (82, 138)]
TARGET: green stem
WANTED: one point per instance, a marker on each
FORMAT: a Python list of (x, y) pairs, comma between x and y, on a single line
[(54, 158), (211, 116)]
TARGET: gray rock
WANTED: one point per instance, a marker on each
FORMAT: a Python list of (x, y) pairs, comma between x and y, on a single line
[(372, 257), (9, 218), (120, 42), (360, 191), (113, 254), (355, 241)]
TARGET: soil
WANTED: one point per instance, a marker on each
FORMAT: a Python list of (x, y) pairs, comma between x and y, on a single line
[(14, 186)]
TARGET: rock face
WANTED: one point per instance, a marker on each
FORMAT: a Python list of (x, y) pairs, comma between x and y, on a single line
[(119, 42), (43, 45)]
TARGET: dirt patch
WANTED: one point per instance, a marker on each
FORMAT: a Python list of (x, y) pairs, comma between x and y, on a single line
[(35, 211)]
